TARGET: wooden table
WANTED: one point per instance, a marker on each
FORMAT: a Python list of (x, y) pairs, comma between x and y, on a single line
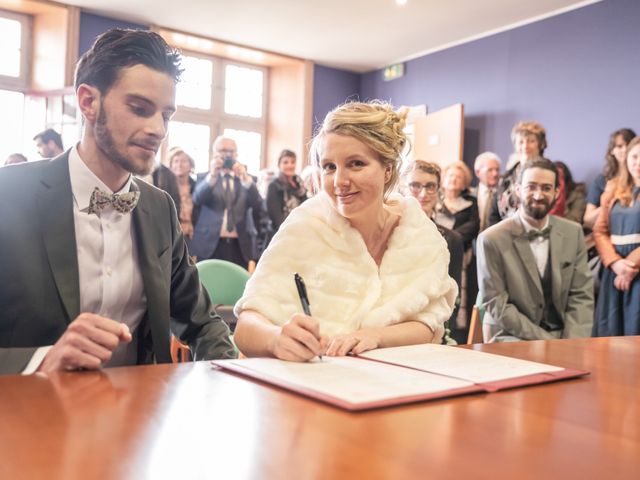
[(189, 422)]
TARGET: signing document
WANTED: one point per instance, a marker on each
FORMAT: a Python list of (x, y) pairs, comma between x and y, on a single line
[(398, 375)]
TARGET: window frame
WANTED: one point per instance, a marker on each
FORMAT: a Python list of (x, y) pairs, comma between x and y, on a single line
[(216, 118), (21, 82)]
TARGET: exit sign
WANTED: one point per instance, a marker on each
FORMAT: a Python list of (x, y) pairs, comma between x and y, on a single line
[(393, 71)]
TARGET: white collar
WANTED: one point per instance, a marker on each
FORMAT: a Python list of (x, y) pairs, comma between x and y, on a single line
[(84, 181)]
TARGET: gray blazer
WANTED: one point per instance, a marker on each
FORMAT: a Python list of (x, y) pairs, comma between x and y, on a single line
[(510, 284), (39, 283)]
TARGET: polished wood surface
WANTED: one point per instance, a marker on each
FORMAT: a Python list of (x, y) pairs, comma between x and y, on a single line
[(191, 421)]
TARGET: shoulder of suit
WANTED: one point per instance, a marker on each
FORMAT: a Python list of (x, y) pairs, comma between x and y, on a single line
[(564, 224), (501, 230)]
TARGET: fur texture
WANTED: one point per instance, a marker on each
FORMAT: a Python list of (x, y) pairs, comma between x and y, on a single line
[(346, 289)]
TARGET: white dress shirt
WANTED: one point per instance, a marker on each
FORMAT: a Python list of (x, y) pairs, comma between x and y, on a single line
[(108, 268), (539, 245)]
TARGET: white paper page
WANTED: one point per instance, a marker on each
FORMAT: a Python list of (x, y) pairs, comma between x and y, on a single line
[(351, 379), (471, 365)]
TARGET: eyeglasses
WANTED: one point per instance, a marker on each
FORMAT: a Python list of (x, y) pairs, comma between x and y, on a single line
[(417, 187), (546, 188)]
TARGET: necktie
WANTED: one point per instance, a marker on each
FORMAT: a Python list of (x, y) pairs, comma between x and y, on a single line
[(544, 233), (121, 202), (228, 203), (486, 207)]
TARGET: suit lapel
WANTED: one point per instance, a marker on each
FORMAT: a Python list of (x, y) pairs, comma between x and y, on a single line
[(55, 205), (555, 249), (148, 237), (523, 248)]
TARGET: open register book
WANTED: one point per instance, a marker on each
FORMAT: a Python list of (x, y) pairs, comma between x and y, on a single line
[(393, 376)]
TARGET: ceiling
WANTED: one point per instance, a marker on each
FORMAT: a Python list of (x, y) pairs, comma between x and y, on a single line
[(357, 35)]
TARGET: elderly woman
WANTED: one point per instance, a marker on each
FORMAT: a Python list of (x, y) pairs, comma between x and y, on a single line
[(529, 140), (458, 211), (375, 266), (286, 191), (182, 166)]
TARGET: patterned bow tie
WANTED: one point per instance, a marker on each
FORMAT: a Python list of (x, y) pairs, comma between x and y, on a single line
[(544, 233), (121, 202)]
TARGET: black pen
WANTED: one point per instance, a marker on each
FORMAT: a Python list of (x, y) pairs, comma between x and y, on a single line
[(304, 299)]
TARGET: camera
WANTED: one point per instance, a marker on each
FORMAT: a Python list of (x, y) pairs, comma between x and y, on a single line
[(228, 161)]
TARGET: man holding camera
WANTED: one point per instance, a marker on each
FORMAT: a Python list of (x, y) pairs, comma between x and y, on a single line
[(225, 227)]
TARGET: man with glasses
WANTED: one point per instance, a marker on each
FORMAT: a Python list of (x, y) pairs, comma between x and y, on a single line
[(230, 207), (532, 267)]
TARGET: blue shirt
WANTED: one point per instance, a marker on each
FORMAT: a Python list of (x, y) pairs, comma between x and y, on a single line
[(596, 190)]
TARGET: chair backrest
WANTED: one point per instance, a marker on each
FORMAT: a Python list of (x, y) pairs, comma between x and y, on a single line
[(475, 324), (223, 280)]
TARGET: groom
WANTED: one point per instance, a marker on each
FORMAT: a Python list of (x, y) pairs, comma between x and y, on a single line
[(94, 270)]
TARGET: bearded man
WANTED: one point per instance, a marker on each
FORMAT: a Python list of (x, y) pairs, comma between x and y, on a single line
[(94, 267), (532, 267)]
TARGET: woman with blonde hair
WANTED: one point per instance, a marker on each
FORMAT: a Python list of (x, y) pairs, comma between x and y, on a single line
[(617, 237), (375, 266)]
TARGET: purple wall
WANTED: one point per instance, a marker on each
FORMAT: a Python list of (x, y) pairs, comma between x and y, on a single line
[(331, 87), (93, 25), (575, 73)]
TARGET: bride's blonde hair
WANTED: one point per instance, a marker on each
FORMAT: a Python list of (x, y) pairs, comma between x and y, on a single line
[(376, 125)]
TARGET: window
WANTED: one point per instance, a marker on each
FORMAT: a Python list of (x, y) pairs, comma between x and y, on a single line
[(14, 50), (11, 134), (217, 97), (249, 147), (193, 138), (243, 91)]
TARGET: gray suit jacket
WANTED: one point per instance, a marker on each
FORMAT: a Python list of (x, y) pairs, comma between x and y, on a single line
[(39, 284), (510, 283)]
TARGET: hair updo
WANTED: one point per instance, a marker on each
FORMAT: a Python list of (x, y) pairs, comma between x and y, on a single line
[(376, 125)]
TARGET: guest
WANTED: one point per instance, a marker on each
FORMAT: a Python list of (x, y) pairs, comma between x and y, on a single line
[(532, 267), (286, 191), (311, 180), (616, 233), (487, 169), (615, 157), (458, 210), (182, 166), (229, 210), (529, 141), (422, 181), (15, 158), (571, 201), (265, 177), (375, 266), (48, 143)]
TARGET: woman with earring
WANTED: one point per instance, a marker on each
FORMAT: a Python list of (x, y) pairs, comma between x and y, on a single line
[(375, 266)]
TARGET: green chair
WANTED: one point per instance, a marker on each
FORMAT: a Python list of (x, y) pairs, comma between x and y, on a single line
[(224, 281)]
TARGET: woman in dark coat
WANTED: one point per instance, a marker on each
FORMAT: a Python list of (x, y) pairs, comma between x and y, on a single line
[(286, 191)]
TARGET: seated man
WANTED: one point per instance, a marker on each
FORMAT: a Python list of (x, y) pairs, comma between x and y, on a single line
[(532, 267), (94, 270)]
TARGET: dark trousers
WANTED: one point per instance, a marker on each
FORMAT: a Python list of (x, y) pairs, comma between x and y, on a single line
[(229, 249)]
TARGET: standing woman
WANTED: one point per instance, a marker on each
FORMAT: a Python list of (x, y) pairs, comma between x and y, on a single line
[(529, 140), (182, 166), (617, 236), (375, 266), (615, 158), (286, 191)]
